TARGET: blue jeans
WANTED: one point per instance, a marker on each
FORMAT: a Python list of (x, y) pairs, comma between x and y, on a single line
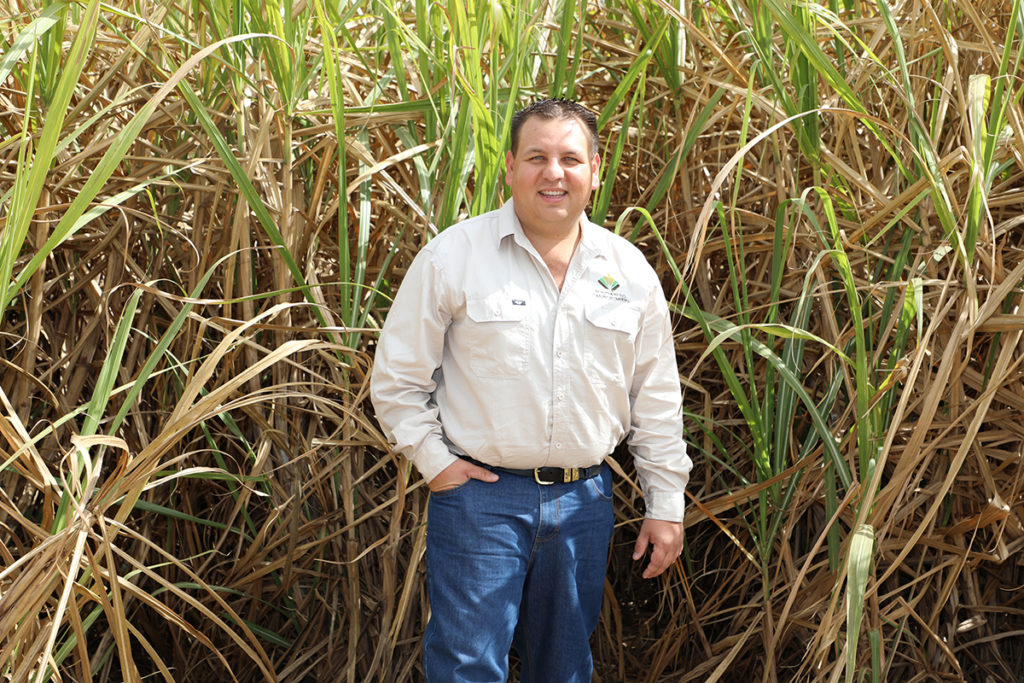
[(516, 563)]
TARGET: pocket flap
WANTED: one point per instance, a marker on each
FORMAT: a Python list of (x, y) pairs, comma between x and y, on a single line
[(613, 316), (496, 309)]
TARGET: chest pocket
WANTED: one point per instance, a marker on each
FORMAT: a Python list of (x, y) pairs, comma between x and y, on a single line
[(610, 334), (498, 336)]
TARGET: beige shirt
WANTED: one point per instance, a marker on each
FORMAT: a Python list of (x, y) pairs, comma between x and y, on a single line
[(482, 355)]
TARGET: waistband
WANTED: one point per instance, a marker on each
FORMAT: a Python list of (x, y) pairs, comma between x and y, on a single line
[(546, 475)]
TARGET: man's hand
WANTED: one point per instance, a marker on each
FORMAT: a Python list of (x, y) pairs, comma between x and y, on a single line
[(667, 539), (458, 473)]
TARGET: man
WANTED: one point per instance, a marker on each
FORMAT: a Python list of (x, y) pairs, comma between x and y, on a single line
[(521, 348)]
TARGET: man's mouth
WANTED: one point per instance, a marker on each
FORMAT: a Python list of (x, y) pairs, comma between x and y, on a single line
[(553, 193)]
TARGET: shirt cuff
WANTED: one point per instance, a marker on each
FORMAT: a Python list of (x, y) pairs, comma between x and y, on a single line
[(430, 463), (665, 505)]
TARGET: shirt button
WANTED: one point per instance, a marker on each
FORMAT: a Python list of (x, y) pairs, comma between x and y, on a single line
[(561, 397), (558, 445)]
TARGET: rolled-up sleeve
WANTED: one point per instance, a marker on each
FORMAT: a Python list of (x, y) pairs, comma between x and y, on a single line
[(409, 352), (656, 436)]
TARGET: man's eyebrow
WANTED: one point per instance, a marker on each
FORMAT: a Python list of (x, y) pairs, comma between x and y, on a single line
[(541, 150)]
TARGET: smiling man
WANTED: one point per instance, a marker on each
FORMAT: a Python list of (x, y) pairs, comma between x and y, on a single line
[(521, 348)]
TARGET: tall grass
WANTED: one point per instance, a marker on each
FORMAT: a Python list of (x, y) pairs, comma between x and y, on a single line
[(206, 208)]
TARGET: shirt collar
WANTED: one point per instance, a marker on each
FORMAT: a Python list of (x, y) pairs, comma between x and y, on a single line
[(509, 225), (508, 222)]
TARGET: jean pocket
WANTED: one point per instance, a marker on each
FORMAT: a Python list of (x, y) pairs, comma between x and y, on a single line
[(447, 493), (602, 484)]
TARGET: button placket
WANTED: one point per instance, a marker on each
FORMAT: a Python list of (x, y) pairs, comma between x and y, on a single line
[(567, 306)]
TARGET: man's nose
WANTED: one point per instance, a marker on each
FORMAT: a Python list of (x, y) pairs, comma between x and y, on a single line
[(553, 169)]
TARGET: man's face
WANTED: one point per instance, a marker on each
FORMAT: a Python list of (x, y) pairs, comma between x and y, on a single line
[(551, 175)]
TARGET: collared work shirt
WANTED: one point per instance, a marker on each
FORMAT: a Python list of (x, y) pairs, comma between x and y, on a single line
[(482, 355)]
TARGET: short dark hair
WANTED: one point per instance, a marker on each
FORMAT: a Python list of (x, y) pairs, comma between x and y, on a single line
[(557, 108)]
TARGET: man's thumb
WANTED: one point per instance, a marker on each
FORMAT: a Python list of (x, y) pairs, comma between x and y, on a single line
[(484, 474), (640, 546)]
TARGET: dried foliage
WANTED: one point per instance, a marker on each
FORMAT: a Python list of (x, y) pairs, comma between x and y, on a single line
[(205, 208)]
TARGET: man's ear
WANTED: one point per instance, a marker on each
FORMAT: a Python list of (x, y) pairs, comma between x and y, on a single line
[(595, 166), (509, 161)]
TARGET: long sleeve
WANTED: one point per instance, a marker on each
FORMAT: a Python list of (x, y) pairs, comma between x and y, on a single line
[(409, 353), (656, 438)]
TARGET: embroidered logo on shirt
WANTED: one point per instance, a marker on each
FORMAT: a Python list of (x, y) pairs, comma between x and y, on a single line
[(518, 302), (609, 283)]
